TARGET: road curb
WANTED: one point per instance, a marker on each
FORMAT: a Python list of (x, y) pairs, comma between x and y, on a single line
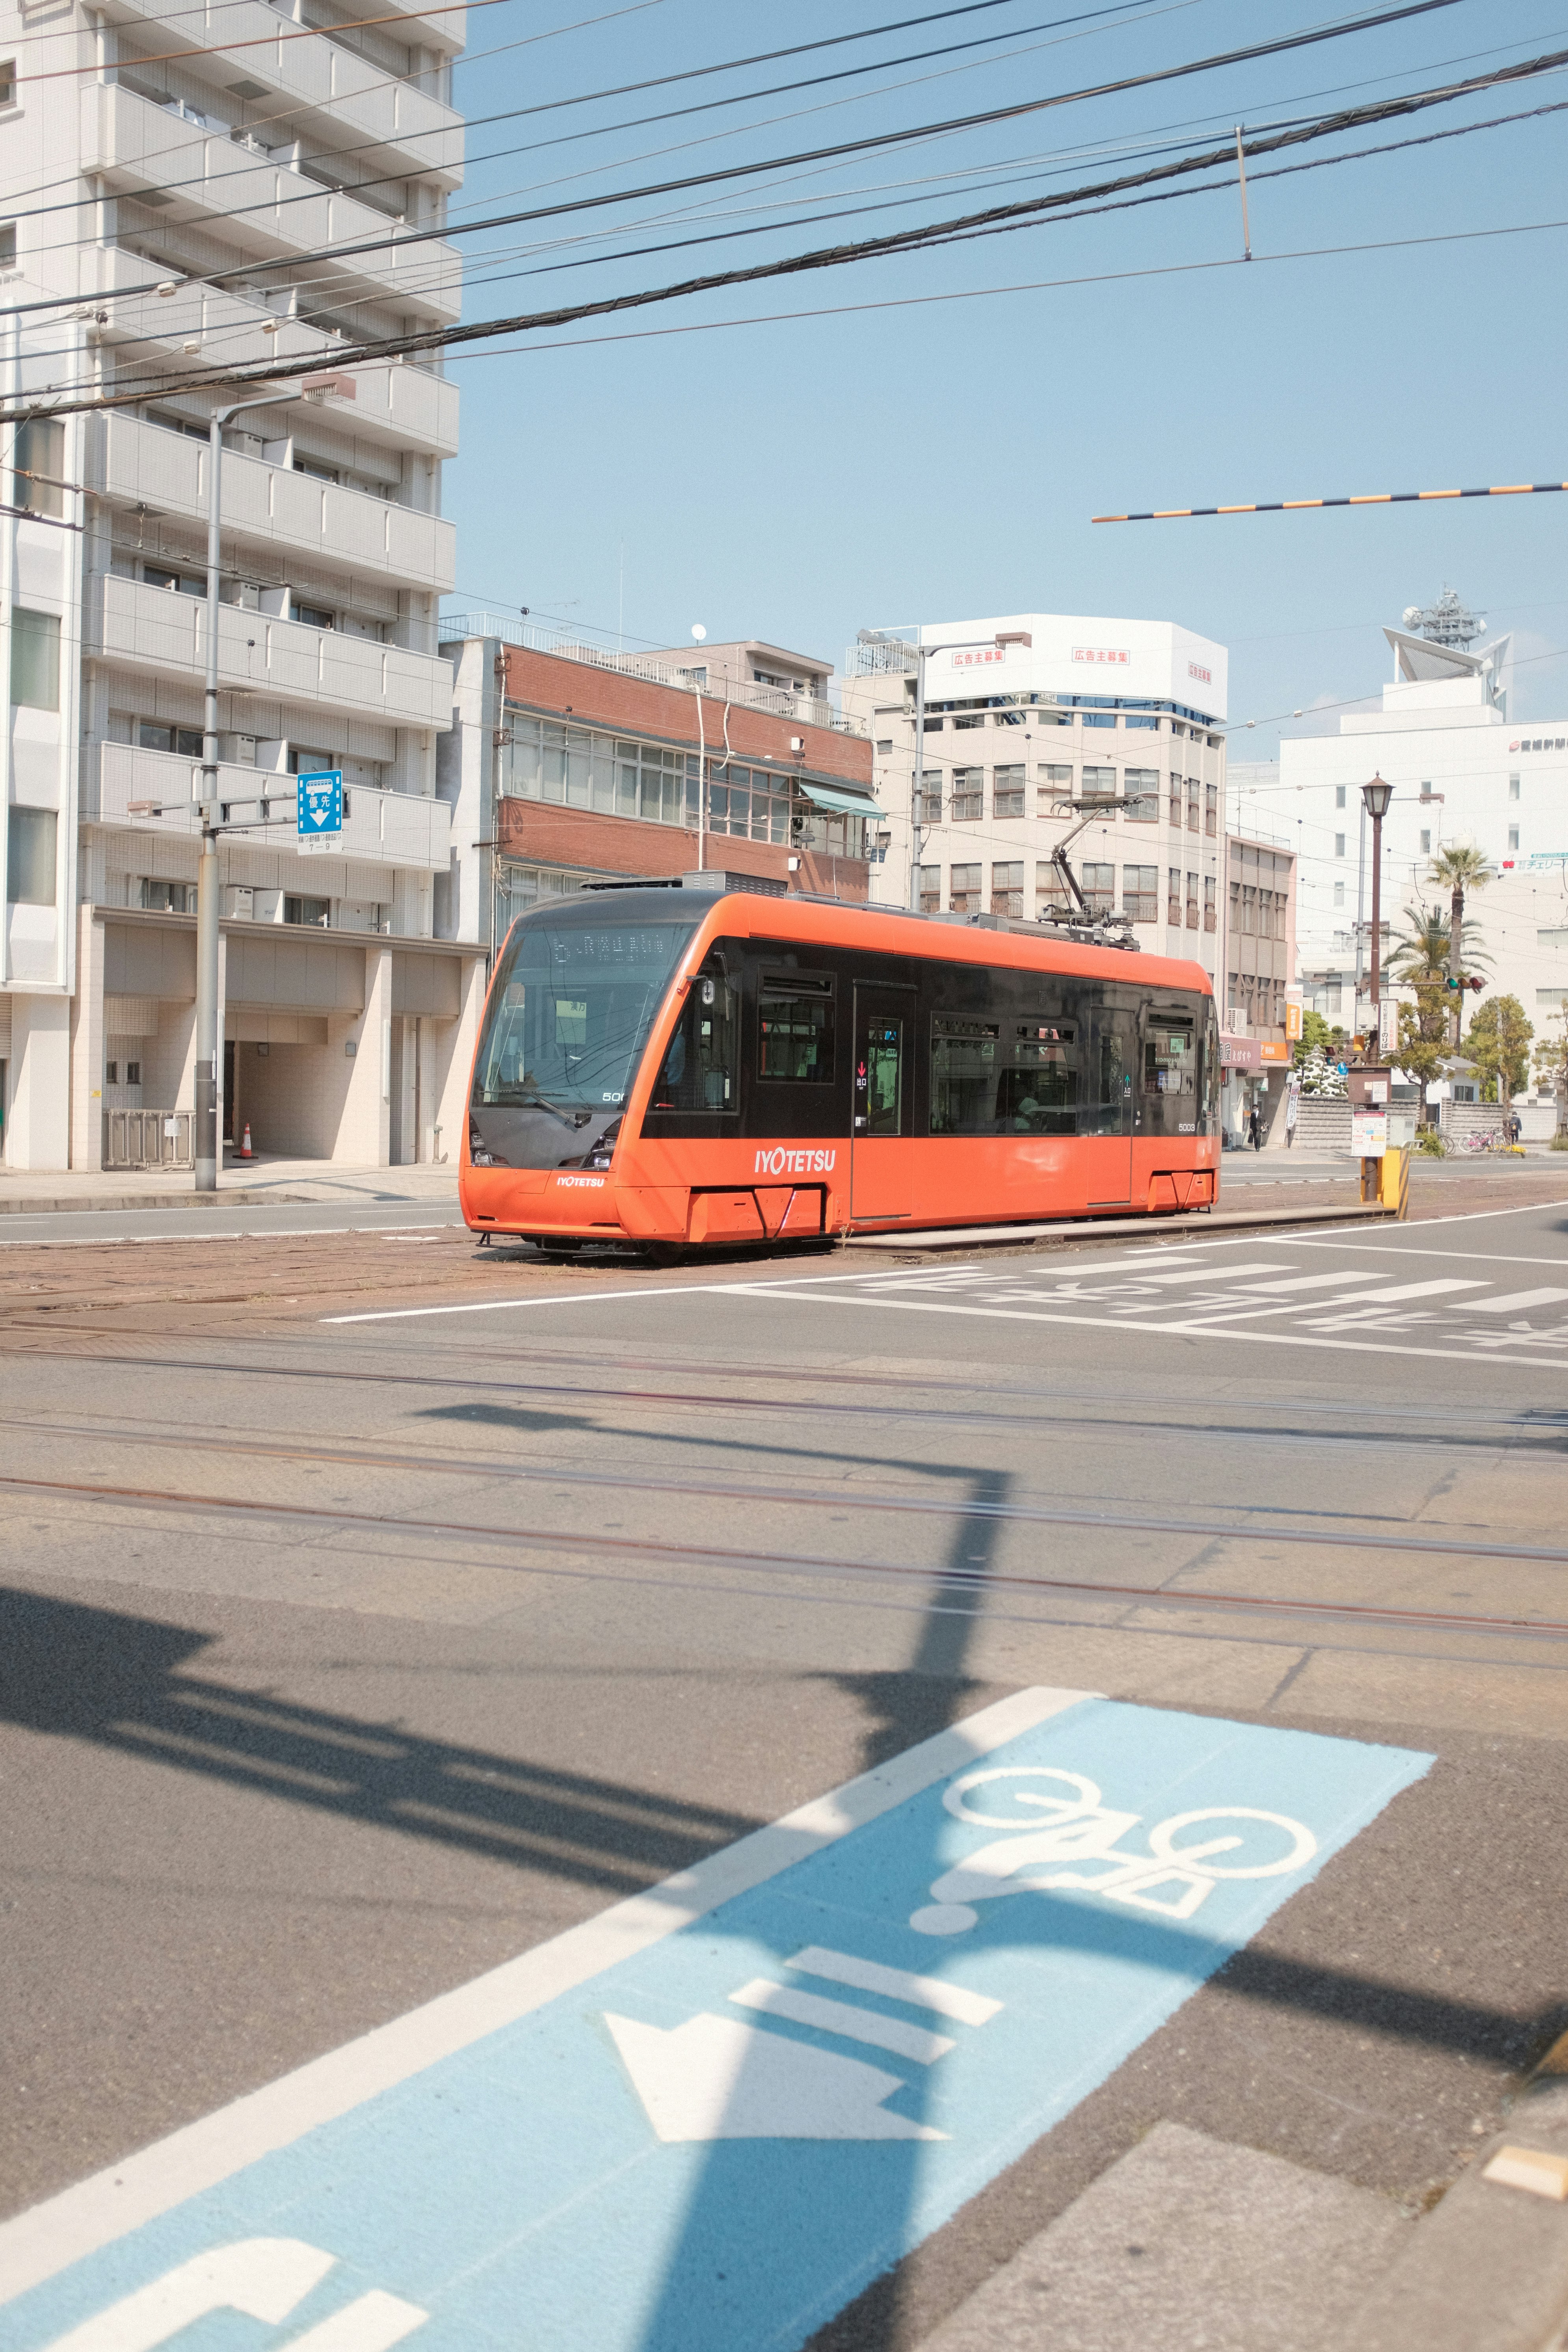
[(72, 1203), (1488, 2269), (1099, 1229)]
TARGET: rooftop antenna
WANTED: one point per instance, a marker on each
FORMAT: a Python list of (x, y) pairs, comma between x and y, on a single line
[(1445, 623)]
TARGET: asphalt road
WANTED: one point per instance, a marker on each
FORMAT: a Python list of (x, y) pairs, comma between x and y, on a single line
[(362, 1637)]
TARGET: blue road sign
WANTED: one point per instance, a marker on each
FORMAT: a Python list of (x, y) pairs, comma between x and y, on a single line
[(319, 806), (705, 2120)]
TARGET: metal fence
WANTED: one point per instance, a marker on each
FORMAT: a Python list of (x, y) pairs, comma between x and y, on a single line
[(149, 1138)]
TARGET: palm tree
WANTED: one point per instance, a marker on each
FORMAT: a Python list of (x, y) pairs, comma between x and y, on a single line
[(1462, 867), (1420, 956)]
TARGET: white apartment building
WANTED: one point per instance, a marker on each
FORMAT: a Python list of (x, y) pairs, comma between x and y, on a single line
[(1090, 709), (1462, 771), (169, 184)]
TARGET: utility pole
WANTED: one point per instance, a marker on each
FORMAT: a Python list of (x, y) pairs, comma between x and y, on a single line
[(208, 1143)]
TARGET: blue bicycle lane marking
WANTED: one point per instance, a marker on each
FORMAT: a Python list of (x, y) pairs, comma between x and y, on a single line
[(714, 2143)]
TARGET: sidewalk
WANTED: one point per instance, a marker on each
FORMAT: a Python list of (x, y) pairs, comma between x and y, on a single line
[(240, 1185)]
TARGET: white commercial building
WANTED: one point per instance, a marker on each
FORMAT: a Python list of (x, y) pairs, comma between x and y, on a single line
[(1462, 771), (178, 192), (1088, 708)]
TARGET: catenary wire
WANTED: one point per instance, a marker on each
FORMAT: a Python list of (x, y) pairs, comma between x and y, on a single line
[(1310, 37), (896, 242)]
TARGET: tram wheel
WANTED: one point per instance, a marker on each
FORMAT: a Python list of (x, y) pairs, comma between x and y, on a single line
[(551, 1248)]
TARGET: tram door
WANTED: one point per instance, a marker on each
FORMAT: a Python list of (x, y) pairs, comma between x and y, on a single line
[(879, 1182), (1110, 1107)]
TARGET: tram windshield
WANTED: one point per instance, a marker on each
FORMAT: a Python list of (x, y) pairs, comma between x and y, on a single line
[(569, 1015)]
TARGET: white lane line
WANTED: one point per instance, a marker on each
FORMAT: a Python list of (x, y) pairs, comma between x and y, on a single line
[(1400, 1249), (38, 2245), (897, 1984), (255, 1233), (842, 2018), (1119, 1323), (1514, 1304), (494, 1305), (1304, 1282)]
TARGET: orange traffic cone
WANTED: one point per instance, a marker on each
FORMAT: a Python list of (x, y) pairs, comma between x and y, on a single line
[(245, 1150)]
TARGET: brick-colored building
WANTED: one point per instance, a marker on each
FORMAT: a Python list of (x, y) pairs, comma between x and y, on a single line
[(569, 765)]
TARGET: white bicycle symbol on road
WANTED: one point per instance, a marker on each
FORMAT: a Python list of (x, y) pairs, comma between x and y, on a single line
[(1072, 1840)]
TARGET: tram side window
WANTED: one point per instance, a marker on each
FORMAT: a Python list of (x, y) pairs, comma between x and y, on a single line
[(1168, 1062), (1039, 1090), (794, 1029), (965, 1056), (701, 1070)]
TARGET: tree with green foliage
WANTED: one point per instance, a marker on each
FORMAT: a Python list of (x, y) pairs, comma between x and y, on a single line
[(1318, 1037), (1499, 1046), (1460, 867)]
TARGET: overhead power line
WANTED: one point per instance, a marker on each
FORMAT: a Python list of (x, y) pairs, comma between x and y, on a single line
[(995, 220), (1357, 498), (1310, 38)]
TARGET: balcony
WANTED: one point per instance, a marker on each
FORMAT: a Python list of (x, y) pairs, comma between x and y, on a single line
[(135, 463), (381, 828), (158, 630), (398, 401), (202, 178), (416, 133)]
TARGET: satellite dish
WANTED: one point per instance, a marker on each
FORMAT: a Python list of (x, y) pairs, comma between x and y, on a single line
[(1411, 616), (698, 631)]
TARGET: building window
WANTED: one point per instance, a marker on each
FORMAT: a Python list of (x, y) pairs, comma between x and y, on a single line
[(968, 795), (964, 896), (314, 616), (1055, 784), (932, 727), (884, 747), (968, 719), (8, 82), (316, 470), (1513, 837), (1099, 784), (1193, 916), (318, 911), (34, 663), (1195, 796), (929, 796), (30, 875), (1338, 844), (40, 461), (180, 583), (7, 245), (1339, 795), (1141, 788), (1426, 851), (1050, 891), (1211, 910), (1099, 718), (153, 736), (132, 1074), (1174, 811), (168, 898), (931, 890), (1008, 887), (1211, 811), (111, 1074), (1007, 793), (1513, 788), (1097, 883), (1174, 894), (1136, 720), (1339, 894)]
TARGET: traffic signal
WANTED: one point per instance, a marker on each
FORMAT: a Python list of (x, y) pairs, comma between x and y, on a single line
[(1470, 980)]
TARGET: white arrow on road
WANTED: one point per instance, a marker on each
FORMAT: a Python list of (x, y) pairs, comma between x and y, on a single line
[(712, 2078)]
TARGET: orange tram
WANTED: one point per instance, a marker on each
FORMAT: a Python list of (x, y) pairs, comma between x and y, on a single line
[(681, 1067)]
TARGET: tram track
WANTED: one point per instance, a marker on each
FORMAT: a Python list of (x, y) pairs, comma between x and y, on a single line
[(1548, 1431), (1259, 1523), (947, 1576)]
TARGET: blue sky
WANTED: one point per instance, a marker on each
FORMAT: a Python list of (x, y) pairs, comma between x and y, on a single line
[(799, 478)]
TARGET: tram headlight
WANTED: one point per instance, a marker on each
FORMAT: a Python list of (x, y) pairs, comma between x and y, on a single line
[(479, 1157)]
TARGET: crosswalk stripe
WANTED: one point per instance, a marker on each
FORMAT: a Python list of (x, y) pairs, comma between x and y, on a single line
[(1207, 1274), (1514, 1304), (1420, 1290)]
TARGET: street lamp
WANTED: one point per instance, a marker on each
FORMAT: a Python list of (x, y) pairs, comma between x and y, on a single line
[(1375, 798), (923, 653)]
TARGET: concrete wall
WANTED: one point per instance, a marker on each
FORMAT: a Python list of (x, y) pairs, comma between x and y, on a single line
[(38, 1117)]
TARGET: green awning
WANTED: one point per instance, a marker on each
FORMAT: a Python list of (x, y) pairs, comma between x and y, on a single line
[(828, 796)]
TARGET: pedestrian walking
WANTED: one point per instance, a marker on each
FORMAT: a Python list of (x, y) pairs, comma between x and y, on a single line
[(1255, 1128)]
